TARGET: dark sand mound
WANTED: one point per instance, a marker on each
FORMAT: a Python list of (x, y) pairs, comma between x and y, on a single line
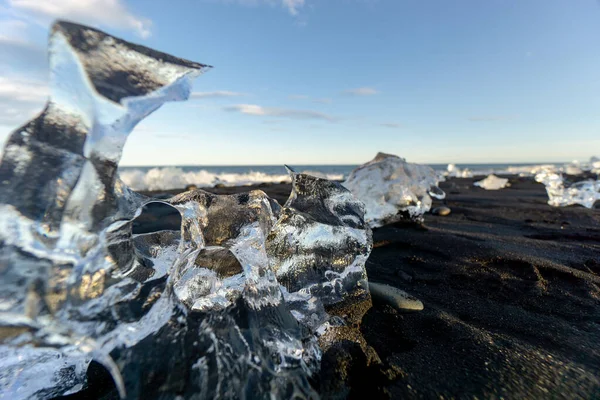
[(511, 288)]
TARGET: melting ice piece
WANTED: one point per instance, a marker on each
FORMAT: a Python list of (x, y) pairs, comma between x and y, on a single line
[(319, 246), (492, 182), (240, 336), (197, 313), (585, 193), (393, 189), (64, 216), (224, 246)]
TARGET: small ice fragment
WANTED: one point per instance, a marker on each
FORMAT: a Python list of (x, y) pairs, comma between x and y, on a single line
[(492, 182), (561, 194), (393, 189)]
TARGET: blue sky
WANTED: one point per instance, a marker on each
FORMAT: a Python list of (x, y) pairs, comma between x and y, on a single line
[(335, 81)]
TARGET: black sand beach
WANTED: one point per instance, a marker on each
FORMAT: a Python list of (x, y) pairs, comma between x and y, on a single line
[(511, 288)]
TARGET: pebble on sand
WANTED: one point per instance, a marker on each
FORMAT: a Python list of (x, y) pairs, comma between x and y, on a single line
[(443, 211), (395, 297)]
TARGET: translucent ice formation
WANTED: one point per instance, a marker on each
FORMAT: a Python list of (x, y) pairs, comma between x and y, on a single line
[(192, 313), (319, 246), (393, 189), (492, 182), (561, 193)]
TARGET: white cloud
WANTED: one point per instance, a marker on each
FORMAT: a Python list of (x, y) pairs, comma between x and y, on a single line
[(361, 91), (16, 54), (12, 28), (252, 109), (20, 100), (110, 13), (298, 97), (491, 118), (322, 100), (215, 94), (292, 6), (391, 125)]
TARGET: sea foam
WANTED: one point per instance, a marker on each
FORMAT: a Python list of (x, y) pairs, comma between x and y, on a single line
[(164, 178)]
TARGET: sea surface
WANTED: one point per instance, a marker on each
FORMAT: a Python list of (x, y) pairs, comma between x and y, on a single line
[(175, 177)]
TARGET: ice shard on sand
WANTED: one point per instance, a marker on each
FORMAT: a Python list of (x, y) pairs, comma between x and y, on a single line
[(227, 307), (562, 193), (393, 189)]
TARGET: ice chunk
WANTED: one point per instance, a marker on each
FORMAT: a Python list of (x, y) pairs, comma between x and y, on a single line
[(561, 193), (393, 189), (214, 228), (492, 182), (64, 216), (197, 313), (319, 246)]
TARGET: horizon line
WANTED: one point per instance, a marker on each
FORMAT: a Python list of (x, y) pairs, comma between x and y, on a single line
[(339, 165)]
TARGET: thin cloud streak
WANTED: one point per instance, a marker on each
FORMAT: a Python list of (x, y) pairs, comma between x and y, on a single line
[(20, 100), (216, 94), (110, 13), (361, 91), (256, 110), (491, 118)]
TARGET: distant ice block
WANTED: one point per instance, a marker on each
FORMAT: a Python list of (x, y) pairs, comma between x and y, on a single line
[(227, 307), (561, 194), (492, 182), (393, 189)]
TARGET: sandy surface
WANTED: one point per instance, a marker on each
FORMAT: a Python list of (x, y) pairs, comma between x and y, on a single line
[(511, 289)]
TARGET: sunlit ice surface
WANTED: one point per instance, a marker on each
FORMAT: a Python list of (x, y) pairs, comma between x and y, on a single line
[(393, 189), (230, 306)]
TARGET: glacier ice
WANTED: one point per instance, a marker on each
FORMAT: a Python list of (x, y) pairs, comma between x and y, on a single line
[(562, 193), (492, 182), (229, 306), (393, 189)]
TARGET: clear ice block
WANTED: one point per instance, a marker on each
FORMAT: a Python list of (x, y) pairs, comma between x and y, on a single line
[(393, 189)]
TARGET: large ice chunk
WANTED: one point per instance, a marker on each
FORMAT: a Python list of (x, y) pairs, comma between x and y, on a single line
[(561, 193), (393, 189), (492, 182), (65, 245), (196, 313)]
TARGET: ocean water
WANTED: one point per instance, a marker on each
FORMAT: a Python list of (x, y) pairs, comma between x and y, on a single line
[(175, 177)]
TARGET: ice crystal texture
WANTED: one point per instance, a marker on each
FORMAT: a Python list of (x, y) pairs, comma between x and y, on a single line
[(194, 313), (393, 189), (492, 182), (561, 193), (319, 246)]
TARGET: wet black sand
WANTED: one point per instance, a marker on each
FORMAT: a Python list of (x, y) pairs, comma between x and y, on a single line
[(511, 288)]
